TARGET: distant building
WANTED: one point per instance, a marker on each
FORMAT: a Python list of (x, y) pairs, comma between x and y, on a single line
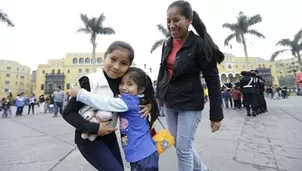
[(14, 78), (64, 72)]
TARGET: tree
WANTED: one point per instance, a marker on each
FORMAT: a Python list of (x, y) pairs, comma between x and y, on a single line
[(242, 28), (4, 18), (94, 26), (294, 45), (158, 43)]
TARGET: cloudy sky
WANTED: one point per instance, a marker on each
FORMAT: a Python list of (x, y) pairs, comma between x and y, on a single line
[(47, 29)]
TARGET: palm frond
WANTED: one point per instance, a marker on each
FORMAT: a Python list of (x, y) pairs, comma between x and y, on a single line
[(275, 54), (157, 44), (256, 33), (229, 38), (85, 19), (285, 42), (100, 20), (254, 19), (298, 37), (4, 18), (106, 31), (232, 27), (163, 30), (84, 30)]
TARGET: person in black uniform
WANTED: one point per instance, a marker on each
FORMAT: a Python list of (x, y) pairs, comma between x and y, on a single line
[(261, 81), (247, 86)]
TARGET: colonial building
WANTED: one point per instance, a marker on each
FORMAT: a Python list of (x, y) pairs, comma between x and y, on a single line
[(230, 68), (65, 72), (14, 78)]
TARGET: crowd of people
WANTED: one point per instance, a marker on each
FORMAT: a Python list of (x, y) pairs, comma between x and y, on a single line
[(48, 103)]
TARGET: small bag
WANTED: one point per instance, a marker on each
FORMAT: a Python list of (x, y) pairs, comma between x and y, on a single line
[(163, 139)]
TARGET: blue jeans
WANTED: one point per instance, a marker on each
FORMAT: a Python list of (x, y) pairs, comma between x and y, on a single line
[(104, 154), (57, 106), (149, 163), (182, 125)]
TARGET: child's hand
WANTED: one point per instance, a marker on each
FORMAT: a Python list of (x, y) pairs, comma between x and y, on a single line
[(74, 92)]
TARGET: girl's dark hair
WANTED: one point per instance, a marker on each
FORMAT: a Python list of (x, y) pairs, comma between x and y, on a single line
[(211, 50), (143, 81), (122, 46)]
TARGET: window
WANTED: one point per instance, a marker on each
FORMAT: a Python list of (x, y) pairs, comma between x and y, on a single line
[(80, 70), (16, 83), (229, 66), (81, 61), (59, 71), (99, 60), (8, 68), (43, 72), (6, 82), (6, 90), (87, 61), (75, 61), (22, 77), (86, 70), (67, 86), (42, 86), (7, 75), (68, 71)]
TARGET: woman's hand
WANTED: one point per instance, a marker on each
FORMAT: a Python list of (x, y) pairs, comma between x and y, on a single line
[(146, 110), (104, 129), (74, 92), (215, 126)]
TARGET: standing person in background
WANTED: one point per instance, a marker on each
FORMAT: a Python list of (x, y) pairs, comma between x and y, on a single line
[(20, 102), (184, 56), (41, 103), (299, 81), (31, 103), (58, 99), (10, 101)]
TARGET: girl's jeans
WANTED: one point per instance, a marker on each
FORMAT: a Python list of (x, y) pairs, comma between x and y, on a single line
[(182, 125), (149, 163)]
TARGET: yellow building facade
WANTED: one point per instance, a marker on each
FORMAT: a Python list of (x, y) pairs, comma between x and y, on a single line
[(286, 67), (65, 72), (230, 68), (14, 78)]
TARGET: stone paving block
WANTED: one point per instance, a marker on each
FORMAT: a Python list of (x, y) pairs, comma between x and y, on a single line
[(256, 158), (38, 153), (253, 140), (261, 148), (239, 166), (225, 149), (73, 162), (228, 135), (289, 164), (35, 166), (287, 152)]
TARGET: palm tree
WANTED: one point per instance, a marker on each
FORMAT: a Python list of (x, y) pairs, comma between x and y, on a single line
[(158, 43), (94, 26), (4, 18), (295, 46), (241, 28)]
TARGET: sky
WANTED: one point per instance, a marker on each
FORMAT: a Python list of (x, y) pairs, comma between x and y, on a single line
[(47, 29)]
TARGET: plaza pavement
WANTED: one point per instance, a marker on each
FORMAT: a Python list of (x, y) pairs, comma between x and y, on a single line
[(268, 142)]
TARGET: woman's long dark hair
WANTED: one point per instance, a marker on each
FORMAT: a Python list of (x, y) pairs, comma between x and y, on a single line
[(211, 50), (143, 81)]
